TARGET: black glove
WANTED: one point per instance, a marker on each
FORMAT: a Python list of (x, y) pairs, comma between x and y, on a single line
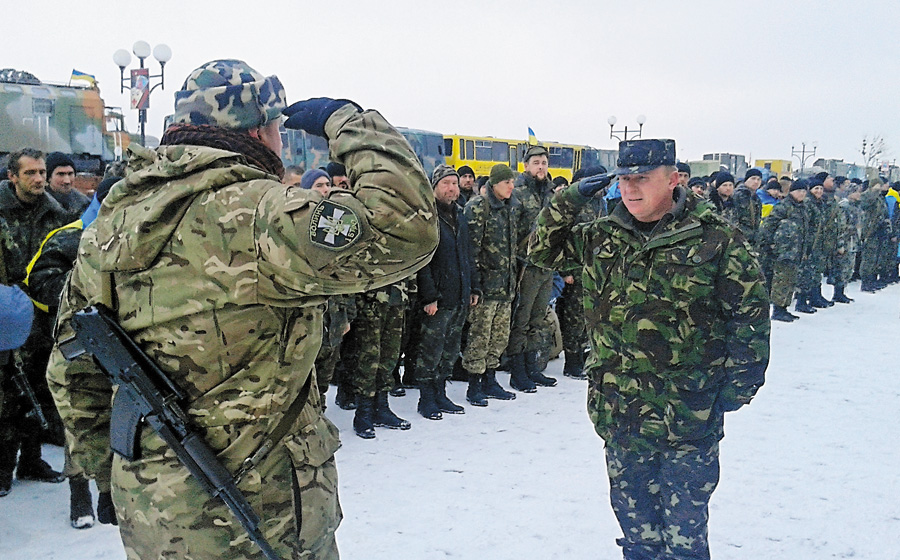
[(310, 115), (589, 186), (106, 512)]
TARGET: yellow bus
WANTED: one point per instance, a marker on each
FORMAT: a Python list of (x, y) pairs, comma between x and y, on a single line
[(483, 152)]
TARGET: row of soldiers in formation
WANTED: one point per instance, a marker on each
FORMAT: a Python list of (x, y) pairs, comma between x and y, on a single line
[(810, 229), (478, 307)]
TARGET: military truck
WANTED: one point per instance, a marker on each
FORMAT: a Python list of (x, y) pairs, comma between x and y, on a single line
[(60, 118)]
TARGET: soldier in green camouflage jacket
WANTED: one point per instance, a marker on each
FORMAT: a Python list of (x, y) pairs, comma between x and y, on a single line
[(781, 241), (679, 326), (220, 274)]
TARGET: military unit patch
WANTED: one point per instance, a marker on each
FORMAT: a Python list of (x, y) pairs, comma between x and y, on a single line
[(333, 226)]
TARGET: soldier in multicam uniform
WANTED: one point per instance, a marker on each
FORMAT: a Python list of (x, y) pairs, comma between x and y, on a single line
[(533, 191), (30, 213), (781, 242), (492, 220), (678, 317), (219, 273), (747, 207)]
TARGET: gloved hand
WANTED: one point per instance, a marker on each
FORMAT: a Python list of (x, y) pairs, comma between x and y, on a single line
[(589, 186), (311, 114), (106, 512)]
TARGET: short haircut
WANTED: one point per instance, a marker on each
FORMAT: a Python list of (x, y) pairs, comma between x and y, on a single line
[(14, 163), (294, 169)]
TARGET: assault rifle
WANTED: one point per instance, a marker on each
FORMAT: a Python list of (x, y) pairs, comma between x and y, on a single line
[(145, 392), (25, 390)]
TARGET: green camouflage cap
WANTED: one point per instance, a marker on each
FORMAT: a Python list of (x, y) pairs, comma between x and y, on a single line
[(536, 150), (229, 94)]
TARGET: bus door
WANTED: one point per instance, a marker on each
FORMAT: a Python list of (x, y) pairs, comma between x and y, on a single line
[(513, 157)]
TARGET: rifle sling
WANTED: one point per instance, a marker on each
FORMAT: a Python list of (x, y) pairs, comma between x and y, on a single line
[(281, 430)]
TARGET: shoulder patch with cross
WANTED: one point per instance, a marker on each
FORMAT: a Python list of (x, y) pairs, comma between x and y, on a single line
[(333, 226)]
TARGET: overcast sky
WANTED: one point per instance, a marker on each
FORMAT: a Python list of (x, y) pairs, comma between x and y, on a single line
[(752, 78)]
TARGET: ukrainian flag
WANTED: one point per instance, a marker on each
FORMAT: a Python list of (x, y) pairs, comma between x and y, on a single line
[(76, 75), (532, 139)]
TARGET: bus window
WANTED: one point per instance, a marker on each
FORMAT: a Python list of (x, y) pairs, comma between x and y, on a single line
[(500, 152), (470, 149), (561, 157), (448, 147), (483, 150)]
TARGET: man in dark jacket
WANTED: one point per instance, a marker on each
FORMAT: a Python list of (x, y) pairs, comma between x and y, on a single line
[(448, 286)]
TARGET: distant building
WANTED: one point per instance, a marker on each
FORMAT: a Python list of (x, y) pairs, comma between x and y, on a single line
[(779, 167), (704, 168), (733, 163)]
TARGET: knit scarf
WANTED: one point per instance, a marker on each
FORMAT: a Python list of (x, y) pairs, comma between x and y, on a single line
[(258, 154)]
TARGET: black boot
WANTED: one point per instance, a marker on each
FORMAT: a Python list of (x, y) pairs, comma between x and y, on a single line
[(533, 368), (802, 305), (817, 300), (345, 398), (492, 389), (868, 286), (839, 295), (32, 467), (473, 393), (781, 314), (443, 403), (81, 510), (9, 450), (364, 419), (574, 366), (427, 407), (518, 378), (384, 417)]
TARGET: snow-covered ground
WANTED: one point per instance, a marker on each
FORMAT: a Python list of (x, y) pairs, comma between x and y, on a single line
[(809, 469)]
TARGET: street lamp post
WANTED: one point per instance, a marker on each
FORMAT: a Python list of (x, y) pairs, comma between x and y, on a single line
[(641, 119), (802, 154), (139, 79)]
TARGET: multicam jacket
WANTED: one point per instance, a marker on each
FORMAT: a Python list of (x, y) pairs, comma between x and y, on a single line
[(678, 319), (220, 273), (492, 228)]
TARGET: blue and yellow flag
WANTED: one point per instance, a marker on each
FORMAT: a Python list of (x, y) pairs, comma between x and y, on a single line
[(76, 75), (532, 139)]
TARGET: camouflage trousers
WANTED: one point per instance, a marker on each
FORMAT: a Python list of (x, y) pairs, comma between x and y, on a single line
[(164, 513), (379, 330), (488, 335), (810, 276), (841, 269), (661, 499), (528, 320), (570, 310), (439, 341), (784, 281), (868, 265), (326, 360)]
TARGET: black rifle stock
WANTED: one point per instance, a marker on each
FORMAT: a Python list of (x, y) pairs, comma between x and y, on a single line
[(145, 392)]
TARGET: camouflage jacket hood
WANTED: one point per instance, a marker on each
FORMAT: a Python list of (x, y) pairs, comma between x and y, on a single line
[(149, 204)]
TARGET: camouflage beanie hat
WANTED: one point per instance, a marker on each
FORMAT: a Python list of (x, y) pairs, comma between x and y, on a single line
[(440, 172), (229, 94)]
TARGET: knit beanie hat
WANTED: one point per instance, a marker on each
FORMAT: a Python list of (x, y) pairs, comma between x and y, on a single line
[(724, 177), (229, 94), (501, 172), (440, 172), (800, 185), (56, 159), (308, 179), (465, 170), (752, 173)]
